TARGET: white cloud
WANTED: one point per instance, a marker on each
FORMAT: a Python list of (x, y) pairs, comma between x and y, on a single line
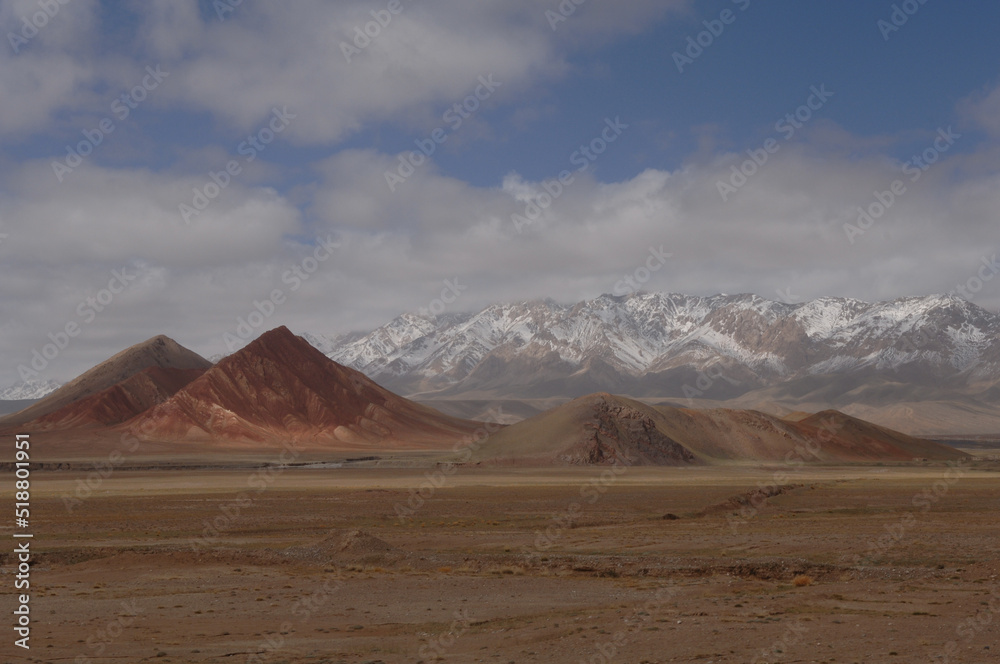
[(983, 109), (783, 231), (267, 54)]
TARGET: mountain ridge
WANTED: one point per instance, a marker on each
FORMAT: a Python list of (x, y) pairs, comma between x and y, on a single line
[(741, 350), (159, 351), (278, 388), (761, 342), (606, 429)]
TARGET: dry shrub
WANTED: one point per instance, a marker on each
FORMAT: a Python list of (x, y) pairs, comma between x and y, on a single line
[(802, 580)]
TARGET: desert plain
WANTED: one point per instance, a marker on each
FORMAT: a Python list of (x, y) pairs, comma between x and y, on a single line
[(357, 563)]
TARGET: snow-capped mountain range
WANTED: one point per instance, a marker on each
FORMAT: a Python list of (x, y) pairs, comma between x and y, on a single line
[(670, 345), (935, 359), (33, 389)]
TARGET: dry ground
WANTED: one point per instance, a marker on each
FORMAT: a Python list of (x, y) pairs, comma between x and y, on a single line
[(516, 566)]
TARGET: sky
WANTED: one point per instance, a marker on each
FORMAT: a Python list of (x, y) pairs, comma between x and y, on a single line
[(212, 169)]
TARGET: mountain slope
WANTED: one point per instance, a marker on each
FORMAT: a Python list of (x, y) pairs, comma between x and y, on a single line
[(120, 402), (160, 351), (827, 353), (606, 429), (278, 388), (598, 428), (32, 389), (742, 341)]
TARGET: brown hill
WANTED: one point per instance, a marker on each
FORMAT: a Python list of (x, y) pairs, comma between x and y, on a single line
[(278, 388), (830, 436), (160, 351), (866, 441), (601, 428), (944, 407), (120, 402)]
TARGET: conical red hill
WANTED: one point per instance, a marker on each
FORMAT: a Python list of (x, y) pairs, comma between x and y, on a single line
[(119, 403), (159, 352), (279, 387)]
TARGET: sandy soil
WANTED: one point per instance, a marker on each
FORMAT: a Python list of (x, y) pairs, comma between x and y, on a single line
[(854, 564)]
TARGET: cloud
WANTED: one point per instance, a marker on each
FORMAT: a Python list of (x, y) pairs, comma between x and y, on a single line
[(783, 232), (786, 228), (304, 55), (983, 109), (99, 215)]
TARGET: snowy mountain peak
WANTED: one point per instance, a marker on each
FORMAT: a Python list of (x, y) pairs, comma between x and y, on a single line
[(32, 389), (655, 343)]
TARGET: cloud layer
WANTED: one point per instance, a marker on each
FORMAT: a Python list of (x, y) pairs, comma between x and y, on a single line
[(786, 233)]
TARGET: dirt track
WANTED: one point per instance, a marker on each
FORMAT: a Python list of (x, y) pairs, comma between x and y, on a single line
[(527, 566)]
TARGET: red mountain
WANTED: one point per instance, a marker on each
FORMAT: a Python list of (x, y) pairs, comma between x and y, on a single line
[(120, 402), (278, 388), (63, 405)]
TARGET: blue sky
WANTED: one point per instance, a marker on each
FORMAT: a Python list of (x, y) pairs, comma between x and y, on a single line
[(785, 233)]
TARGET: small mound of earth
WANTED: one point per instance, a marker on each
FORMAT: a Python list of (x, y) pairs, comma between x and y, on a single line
[(617, 432), (346, 546), (750, 499)]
